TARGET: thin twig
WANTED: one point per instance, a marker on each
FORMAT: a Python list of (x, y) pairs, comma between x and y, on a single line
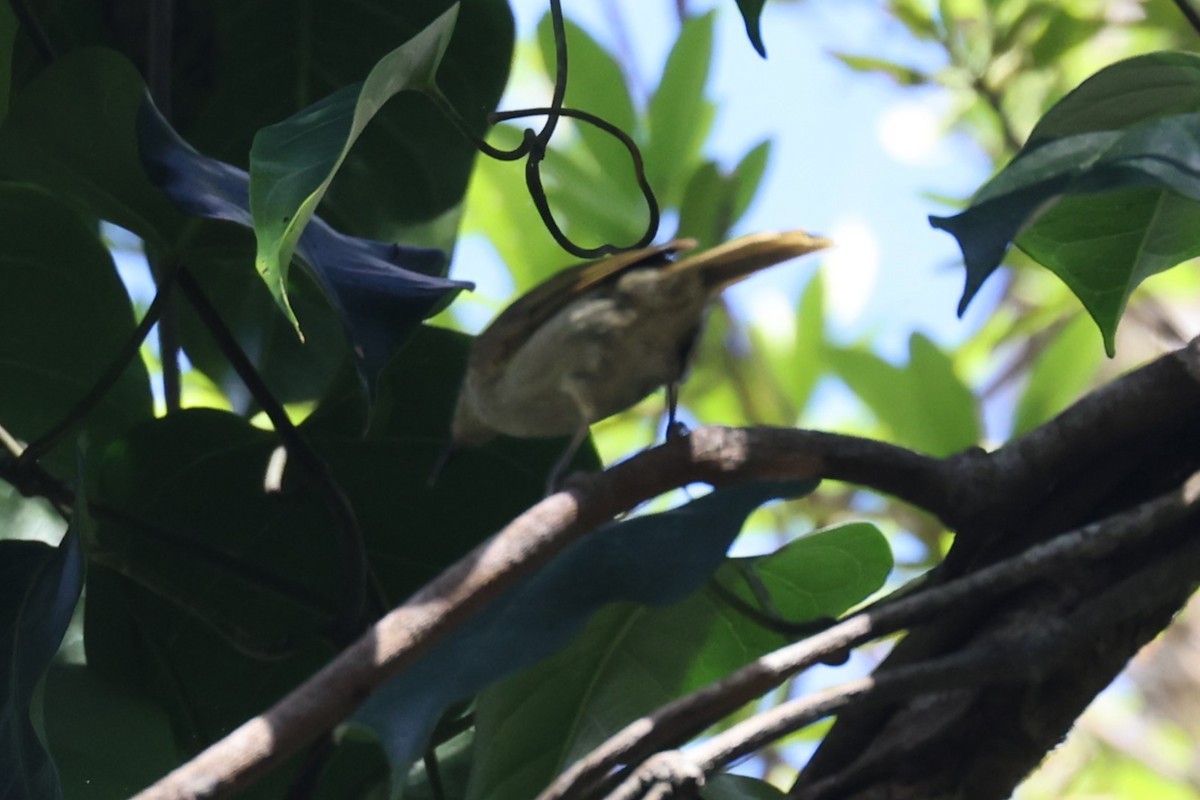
[(966, 669), (1012, 141), (116, 368)]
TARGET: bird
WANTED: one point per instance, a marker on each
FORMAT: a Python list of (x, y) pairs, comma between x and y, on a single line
[(596, 338)]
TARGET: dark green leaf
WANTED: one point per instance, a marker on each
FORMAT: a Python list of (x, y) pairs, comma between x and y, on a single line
[(357, 768), (752, 16), (632, 659), (454, 769), (215, 597), (64, 316), (655, 560), (1112, 163), (293, 371), (1104, 245), (107, 740), (1138, 90), (99, 92)]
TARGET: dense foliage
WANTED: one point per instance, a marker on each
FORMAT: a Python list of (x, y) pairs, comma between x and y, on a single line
[(175, 562)]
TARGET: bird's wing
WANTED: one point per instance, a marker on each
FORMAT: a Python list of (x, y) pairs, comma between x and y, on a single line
[(515, 324)]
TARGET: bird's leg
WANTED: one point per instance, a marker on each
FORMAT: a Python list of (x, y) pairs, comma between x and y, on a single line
[(572, 388), (560, 466), (675, 428)]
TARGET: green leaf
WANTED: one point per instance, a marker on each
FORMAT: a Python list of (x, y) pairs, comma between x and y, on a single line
[(214, 597), (1141, 89), (822, 574), (1059, 376), (515, 230), (597, 85), (1103, 246), (1063, 31), (632, 659), (64, 316), (901, 74), (1105, 191), (293, 371), (357, 768), (808, 360), (915, 16), (924, 405), (610, 210), (99, 92), (381, 290), (678, 117), (107, 740), (715, 200), (752, 16), (292, 163), (704, 213), (653, 559), (747, 178)]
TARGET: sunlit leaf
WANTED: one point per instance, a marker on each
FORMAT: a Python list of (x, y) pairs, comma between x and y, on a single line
[(901, 74), (293, 162), (678, 117), (924, 404)]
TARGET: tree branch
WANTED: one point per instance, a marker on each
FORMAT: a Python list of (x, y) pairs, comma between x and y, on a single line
[(713, 455), (688, 716), (1156, 401)]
